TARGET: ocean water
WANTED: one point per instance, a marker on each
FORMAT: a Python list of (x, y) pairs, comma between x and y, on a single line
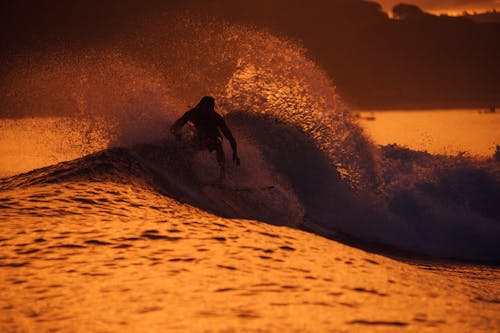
[(110, 224), (450, 132)]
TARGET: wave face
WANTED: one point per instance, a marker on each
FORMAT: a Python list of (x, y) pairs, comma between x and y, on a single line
[(305, 159)]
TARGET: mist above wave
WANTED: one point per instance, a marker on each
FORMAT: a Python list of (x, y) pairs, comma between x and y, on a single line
[(129, 92)]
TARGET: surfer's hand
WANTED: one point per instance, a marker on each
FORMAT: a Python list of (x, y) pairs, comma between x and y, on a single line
[(236, 159)]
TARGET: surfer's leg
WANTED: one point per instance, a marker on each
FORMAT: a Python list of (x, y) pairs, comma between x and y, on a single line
[(221, 160)]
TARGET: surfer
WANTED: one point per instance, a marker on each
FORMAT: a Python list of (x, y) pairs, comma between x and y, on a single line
[(209, 125)]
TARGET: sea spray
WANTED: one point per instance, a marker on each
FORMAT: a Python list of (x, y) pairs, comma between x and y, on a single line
[(128, 93)]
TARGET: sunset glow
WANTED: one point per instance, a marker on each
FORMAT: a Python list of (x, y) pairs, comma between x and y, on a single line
[(449, 7), (249, 166)]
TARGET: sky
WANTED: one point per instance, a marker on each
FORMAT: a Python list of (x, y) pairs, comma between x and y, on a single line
[(452, 7)]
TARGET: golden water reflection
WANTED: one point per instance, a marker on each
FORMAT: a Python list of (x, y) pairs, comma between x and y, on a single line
[(437, 131)]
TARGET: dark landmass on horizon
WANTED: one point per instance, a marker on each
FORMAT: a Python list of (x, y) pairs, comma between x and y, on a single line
[(415, 60), (487, 17)]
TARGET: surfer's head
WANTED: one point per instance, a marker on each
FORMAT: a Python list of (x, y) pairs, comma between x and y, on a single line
[(207, 102)]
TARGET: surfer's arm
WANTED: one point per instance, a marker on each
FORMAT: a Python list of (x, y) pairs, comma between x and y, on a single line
[(227, 133), (179, 123)]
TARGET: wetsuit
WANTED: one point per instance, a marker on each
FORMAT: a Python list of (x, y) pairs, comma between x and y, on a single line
[(209, 125)]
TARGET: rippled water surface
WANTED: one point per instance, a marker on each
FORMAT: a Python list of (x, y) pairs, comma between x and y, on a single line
[(111, 257)]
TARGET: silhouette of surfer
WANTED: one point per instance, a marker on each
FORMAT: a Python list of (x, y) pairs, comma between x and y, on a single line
[(209, 125)]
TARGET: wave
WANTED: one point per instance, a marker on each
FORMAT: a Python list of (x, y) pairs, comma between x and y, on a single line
[(306, 162), (285, 179)]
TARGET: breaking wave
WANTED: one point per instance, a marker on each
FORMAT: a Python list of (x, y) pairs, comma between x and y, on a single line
[(306, 162)]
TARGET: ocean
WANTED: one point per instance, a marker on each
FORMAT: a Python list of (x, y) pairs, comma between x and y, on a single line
[(449, 132), (110, 224)]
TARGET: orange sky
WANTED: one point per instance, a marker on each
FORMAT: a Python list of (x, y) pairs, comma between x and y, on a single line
[(451, 7)]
